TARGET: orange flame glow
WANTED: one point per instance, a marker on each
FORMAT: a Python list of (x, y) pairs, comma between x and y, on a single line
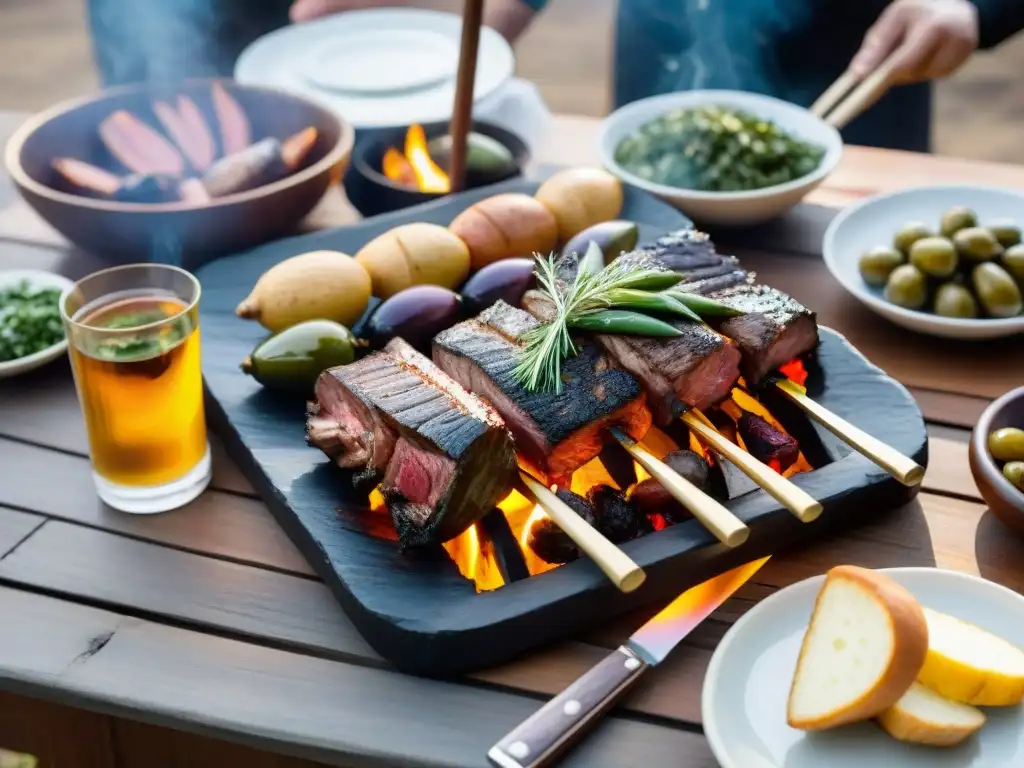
[(415, 168)]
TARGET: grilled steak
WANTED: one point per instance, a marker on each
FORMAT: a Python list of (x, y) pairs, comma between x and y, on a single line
[(774, 329), (554, 434), (446, 456), (692, 254), (698, 368)]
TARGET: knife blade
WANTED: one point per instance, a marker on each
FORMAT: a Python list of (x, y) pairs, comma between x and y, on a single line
[(545, 736)]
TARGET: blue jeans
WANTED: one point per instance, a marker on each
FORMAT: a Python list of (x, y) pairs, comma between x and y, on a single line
[(168, 40)]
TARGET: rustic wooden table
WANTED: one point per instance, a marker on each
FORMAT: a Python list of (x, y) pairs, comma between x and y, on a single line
[(201, 637)]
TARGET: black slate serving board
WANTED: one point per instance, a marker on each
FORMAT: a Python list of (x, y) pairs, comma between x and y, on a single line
[(416, 609)]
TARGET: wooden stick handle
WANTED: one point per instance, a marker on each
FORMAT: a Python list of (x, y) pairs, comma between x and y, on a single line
[(903, 468), (462, 110), (792, 497), (864, 95), (728, 528), (833, 94), (616, 564)]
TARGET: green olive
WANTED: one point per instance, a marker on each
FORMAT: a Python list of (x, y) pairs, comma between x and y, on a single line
[(1013, 260), (1007, 444), (293, 359), (956, 219), (954, 300), (876, 264), (977, 244), (934, 256), (907, 287), (996, 291), (909, 234), (1006, 232), (1014, 472)]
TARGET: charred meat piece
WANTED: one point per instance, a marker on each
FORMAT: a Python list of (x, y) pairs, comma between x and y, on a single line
[(619, 520), (257, 164), (554, 433), (697, 368), (773, 329), (766, 443), (446, 456), (549, 542)]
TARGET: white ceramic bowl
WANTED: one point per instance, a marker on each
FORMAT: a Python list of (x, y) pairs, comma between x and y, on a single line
[(36, 279), (727, 208), (875, 220)]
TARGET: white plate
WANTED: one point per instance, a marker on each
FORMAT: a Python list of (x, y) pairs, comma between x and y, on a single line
[(726, 208), (36, 279), (747, 684), (378, 67), (875, 220)]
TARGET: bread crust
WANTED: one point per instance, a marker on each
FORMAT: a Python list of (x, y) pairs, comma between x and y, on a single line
[(902, 724), (910, 645)]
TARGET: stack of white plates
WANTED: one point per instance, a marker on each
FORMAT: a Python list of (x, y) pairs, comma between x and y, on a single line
[(378, 68)]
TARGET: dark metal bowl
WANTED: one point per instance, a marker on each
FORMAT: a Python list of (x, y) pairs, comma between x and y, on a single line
[(373, 193), (181, 232), (1005, 501)]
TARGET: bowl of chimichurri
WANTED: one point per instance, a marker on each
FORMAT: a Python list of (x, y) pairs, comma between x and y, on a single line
[(31, 329), (722, 157)]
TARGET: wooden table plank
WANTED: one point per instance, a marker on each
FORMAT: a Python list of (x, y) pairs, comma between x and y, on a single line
[(296, 704), (224, 524), (15, 527)]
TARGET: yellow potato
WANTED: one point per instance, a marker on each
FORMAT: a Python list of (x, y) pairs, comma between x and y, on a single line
[(319, 285), (414, 254), (505, 226), (580, 198)]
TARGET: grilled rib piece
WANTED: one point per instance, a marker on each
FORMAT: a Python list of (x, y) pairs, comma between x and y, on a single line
[(554, 434), (444, 456), (697, 369), (774, 329)]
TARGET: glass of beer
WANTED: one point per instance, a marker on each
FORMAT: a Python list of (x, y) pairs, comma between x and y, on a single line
[(133, 335)]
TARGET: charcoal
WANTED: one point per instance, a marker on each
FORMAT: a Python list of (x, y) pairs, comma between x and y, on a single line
[(618, 520), (549, 542)]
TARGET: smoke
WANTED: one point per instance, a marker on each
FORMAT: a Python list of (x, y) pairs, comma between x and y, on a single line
[(166, 248), (718, 43)]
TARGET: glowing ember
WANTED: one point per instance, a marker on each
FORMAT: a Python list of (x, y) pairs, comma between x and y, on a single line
[(795, 371), (415, 168), (476, 560)]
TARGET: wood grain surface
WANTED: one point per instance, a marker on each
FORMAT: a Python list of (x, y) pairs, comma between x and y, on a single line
[(208, 620)]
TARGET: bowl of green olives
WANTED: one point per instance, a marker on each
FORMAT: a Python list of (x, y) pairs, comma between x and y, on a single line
[(947, 261), (997, 458)]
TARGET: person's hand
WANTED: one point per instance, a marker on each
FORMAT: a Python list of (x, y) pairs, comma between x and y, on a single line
[(931, 39), (306, 10)]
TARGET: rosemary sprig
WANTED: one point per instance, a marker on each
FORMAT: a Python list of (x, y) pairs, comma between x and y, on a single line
[(545, 347)]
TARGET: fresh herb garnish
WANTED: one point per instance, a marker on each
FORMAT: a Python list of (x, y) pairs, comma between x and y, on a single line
[(580, 304), (716, 149), (29, 320)]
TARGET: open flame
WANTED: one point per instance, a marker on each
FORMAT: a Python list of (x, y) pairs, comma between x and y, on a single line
[(474, 554), (415, 167)]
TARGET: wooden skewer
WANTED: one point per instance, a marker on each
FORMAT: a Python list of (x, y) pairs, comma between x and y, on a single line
[(791, 496), (903, 468), (462, 112), (616, 564), (865, 93), (728, 528)]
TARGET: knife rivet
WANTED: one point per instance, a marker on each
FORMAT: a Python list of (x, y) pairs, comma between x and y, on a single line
[(518, 749), (572, 707), (632, 663)]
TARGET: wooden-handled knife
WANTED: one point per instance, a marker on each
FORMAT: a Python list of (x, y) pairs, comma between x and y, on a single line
[(544, 737)]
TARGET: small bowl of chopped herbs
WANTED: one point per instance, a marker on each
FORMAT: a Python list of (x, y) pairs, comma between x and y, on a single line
[(31, 330), (722, 157)]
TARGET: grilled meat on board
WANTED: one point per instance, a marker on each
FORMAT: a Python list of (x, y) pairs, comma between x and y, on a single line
[(554, 433), (444, 456), (774, 329)]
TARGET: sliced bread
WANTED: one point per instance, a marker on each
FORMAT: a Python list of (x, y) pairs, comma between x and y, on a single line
[(922, 716), (965, 663), (864, 647)]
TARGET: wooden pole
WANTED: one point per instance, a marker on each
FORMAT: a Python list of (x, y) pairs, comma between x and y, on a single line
[(462, 113)]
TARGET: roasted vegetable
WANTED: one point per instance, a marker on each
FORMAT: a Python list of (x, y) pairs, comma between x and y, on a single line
[(87, 178), (580, 198), (505, 226), (139, 147), (187, 128), (319, 285), (507, 280), (417, 315), (716, 149), (292, 360), (414, 254), (235, 132)]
